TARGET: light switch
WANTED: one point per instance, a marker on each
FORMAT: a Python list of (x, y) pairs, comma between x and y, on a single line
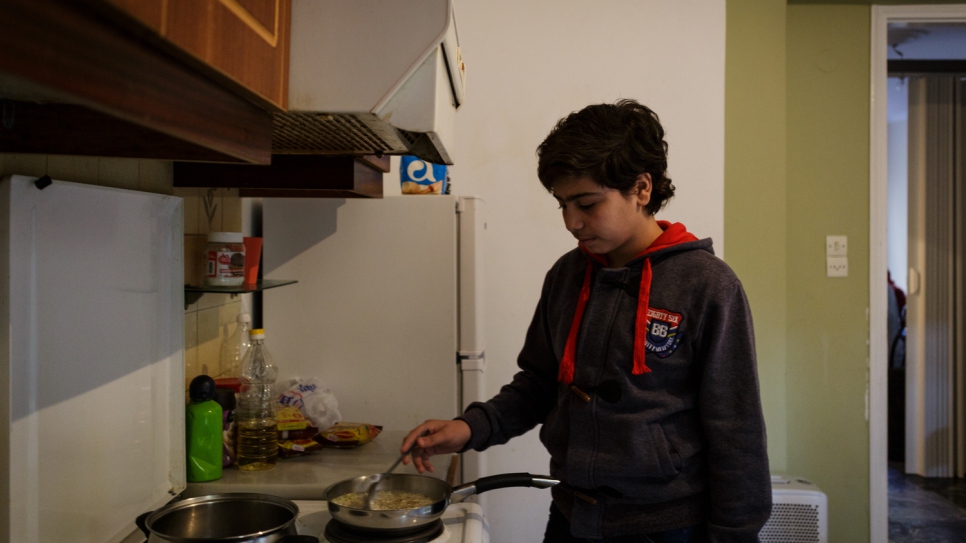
[(837, 266), (836, 246)]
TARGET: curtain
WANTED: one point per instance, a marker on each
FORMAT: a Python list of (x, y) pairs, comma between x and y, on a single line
[(936, 310)]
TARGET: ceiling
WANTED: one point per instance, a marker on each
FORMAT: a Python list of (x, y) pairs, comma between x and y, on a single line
[(927, 41)]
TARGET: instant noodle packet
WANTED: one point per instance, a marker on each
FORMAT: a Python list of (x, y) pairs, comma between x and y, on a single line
[(345, 435), (295, 433)]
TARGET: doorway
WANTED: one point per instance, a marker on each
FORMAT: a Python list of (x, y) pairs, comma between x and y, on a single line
[(880, 346)]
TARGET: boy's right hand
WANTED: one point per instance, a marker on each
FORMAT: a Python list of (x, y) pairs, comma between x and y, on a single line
[(441, 437)]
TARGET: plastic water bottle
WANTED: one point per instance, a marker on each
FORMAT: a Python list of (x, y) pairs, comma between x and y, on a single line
[(255, 412), (235, 346), (203, 425)]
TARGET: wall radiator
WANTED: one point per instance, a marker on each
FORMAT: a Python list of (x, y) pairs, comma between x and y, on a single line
[(799, 512)]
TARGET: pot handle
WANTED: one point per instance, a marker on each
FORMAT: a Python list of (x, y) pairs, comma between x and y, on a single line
[(506, 480), (141, 523)]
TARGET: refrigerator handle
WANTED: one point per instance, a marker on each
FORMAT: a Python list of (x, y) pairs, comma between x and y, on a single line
[(471, 361), (472, 386), (472, 369)]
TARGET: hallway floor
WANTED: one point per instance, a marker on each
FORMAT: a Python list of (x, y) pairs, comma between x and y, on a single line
[(925, 510)]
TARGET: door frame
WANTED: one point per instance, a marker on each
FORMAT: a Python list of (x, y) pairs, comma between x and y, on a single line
[(878, 239)]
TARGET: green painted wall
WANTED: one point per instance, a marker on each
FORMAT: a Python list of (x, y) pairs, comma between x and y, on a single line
[(796, 170), (828, 193), (871, 2), (755, 192)]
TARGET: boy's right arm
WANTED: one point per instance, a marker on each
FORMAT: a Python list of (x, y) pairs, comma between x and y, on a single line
[(435, 437), (520, 405)]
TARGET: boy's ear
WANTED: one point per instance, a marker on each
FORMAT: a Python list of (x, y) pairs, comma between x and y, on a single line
[(644, 189)]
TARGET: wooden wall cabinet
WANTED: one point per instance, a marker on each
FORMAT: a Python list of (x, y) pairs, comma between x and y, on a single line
[(170, 79), (245, 42), (182, 80)]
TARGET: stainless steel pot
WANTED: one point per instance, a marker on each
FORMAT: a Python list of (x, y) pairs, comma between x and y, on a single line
[(441, 493), (235, 518)]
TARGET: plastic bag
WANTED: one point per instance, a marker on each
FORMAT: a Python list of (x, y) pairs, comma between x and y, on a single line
[(313, 400)]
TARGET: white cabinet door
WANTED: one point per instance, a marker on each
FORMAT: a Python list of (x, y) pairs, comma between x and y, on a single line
[(91, 358)]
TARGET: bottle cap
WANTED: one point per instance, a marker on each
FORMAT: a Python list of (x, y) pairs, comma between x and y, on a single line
[(243, 317), (257, 333), (231, 383), (201, 389), (225, 237)]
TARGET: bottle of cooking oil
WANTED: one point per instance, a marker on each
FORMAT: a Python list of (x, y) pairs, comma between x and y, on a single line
[(255, 415)]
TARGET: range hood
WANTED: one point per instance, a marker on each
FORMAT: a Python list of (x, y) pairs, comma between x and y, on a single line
[(372, 77)]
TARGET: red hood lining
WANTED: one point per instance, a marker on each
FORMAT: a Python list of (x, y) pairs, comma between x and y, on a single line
[(674, 234)]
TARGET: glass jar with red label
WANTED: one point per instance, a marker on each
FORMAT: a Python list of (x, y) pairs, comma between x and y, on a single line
[(225, 259)]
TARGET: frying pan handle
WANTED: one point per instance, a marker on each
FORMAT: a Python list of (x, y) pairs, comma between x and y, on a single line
[(506, 480)]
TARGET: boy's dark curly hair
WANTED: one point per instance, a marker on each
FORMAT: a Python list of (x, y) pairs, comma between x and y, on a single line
[(612, 144)]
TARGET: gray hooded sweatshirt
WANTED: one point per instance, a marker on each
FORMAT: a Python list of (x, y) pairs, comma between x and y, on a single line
[(671, 439)]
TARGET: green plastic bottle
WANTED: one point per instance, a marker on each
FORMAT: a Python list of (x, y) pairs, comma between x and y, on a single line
[(203, 425)]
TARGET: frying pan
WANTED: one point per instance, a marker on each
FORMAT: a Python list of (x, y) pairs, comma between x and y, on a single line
[(439, 491)]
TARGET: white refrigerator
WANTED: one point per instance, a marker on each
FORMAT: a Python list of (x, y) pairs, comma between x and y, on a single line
[(387, 311)]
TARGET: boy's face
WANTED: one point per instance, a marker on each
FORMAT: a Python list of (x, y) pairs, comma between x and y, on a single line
[(606, 221)]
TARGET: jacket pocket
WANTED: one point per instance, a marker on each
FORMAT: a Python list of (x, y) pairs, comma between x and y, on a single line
[(667, 456)]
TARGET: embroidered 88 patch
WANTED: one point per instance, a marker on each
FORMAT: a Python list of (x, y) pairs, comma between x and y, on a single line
[(663, 333)]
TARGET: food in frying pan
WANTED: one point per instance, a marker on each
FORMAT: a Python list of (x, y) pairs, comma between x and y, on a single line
[(385, 500)]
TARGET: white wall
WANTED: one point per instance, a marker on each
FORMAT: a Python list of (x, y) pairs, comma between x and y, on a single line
[(898, 174), (528, 64)]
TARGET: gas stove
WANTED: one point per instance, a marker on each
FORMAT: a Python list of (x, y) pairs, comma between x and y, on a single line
[(460, 523)]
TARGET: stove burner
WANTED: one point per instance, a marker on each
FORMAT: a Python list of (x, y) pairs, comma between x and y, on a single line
[(340, 532)]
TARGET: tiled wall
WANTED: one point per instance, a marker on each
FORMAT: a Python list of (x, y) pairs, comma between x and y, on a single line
[(212, 318), (125, 173)]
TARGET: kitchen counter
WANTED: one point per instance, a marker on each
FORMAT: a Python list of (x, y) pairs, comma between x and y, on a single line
[(306, 477)]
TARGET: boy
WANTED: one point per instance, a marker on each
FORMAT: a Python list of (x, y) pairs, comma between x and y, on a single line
[(639, 361)]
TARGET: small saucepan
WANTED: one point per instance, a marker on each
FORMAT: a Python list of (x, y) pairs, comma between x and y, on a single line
[(235, 517), (437, 490)]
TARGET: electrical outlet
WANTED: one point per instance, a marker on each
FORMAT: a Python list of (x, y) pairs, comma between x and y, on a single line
[(837, 266), (836, 245)]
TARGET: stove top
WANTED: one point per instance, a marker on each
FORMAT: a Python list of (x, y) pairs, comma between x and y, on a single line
[(461, 523), (338, 532)]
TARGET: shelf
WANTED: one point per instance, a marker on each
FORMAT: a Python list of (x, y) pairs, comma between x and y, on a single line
[(192, 293), (292, 176)]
